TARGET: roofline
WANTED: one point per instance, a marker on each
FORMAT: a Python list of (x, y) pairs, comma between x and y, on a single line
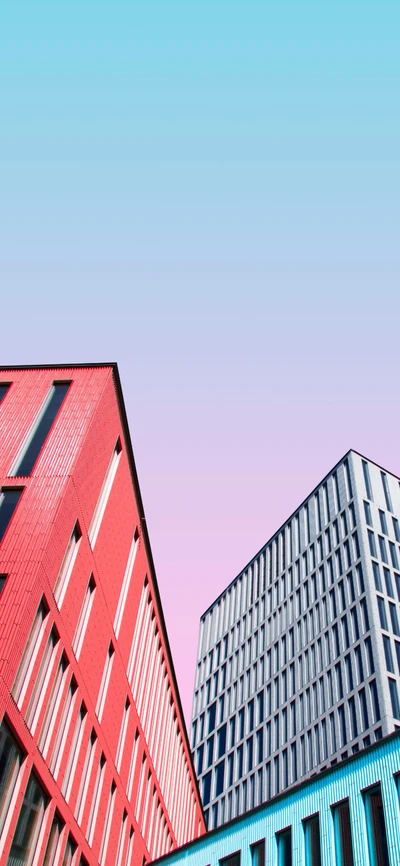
[(292, 789), (145, 535), (143, 523), (112, 364), (271, 538)]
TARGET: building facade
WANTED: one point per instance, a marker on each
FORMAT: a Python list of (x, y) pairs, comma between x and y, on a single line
[(95, 765), (299, 658), (348, 815)]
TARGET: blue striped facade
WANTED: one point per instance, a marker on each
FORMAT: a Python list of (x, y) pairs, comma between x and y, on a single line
[(349, 780)]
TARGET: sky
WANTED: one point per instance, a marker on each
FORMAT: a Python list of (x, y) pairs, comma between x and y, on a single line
[(208, 193)]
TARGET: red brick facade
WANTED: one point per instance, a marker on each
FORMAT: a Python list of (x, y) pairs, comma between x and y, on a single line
[(94, 747)]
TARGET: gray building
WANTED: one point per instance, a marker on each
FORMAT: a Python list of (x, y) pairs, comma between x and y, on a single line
[(299, 658)]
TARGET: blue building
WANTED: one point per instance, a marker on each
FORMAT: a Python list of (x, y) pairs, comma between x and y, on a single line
[(347, 815)]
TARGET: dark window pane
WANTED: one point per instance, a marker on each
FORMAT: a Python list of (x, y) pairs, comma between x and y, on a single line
[(3, 391), (343, 842), (8, 502), (41, 429), (284, 841), (28, 825), (312, 840), (377, 840), (11, 757), (232, 860)]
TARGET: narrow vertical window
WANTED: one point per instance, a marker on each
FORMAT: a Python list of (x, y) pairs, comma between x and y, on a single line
[(96, 799), (121, 841), (126, 583), (67, 565), (376, 830), (105, 681), (74, 753), (258, 853), (62, 732), (107, 824), (312, 841), (53, 706), (11, 757), (28, 825), (385, 485), (37, 435), (368, 488), (336, 494), (284, 843), (232, 860), (394, 697), (326, 503), (132, 767), (347, 479), (54, 840), (4, 386), (3, 579), (105, 491), (122, 736), (342, 831), (42, 681), (84, 616), (29, 656), (86, 773), (9, 498)]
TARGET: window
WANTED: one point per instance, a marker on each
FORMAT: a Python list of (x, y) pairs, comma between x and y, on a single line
[(54, 839), (382, 518), (3, 578), (382, 548), (394, 619), (86, 773), (385, 485), (342, 831), (371, 542), (96, 799), (388, 582), (219, 778), (42, 681), (394, 697), (211, 716), (69, 852), (312, 841), (29, 656), (258, 853), (368, 488), (393, 555), (9, 498), (232, 860), (368, 515), (38, 434), (67, 565), (382, 613), (105, 491), (396, 528), (53, 703), (388, 654), (284, 843), (29, 823), (105, 681), (363, 709), (62, 729), (374, 701), (376, 831), (4, 386), (84, 615), (107, 824), (126, 582), (11, 757)]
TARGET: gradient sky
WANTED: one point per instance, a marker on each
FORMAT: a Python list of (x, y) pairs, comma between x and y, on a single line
[(208, 193)]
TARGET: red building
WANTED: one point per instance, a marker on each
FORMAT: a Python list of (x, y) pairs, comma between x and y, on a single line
[(95, 764)]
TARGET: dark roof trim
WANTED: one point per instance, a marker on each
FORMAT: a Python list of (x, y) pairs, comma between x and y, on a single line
[(307, 498), (279, 797), (149, 554)]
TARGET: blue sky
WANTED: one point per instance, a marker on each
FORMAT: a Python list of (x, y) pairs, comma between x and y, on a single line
[(209, 194)]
